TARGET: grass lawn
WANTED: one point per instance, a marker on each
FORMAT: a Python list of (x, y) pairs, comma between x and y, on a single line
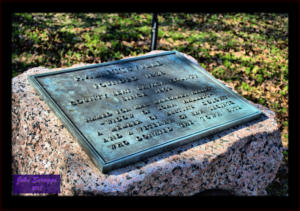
[(248, 51)]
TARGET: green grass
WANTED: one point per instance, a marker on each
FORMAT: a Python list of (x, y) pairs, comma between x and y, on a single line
[(249, 51)]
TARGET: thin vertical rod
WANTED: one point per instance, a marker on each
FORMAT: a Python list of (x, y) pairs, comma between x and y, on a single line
[(154, 31)]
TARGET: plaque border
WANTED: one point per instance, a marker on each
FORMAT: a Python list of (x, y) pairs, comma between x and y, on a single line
[(96, 157)]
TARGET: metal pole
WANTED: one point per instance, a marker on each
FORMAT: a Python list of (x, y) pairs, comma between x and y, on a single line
[(154, 31)]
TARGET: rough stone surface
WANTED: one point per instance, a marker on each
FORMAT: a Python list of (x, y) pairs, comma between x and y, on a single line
[(242, 160)]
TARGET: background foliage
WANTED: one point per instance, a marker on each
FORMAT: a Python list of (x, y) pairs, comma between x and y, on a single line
[(248, 51)]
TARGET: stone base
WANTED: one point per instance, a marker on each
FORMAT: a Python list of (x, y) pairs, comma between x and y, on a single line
[(242, 160)]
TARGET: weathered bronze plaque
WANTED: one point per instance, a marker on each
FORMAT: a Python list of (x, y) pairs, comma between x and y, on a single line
[(126, 110)]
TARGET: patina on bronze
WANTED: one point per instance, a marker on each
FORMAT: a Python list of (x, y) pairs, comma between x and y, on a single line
[(126, 110)]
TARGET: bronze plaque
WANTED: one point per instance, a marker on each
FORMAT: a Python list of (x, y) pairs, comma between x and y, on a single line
[(126, 110)]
